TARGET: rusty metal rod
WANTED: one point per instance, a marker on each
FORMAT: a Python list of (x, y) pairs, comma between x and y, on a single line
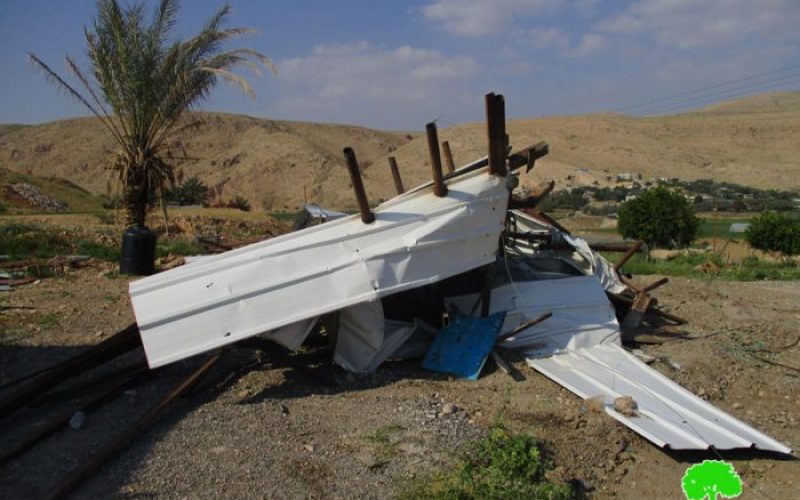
[(121, 342), (439, 188), (398, 181), (524, 326), (101, 457), (496, 133), (361, 195), (448, 157)]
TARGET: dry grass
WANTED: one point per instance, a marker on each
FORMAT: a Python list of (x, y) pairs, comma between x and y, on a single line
[(278, 164)]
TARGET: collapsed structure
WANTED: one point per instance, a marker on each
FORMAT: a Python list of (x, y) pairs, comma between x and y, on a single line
[(383, 280)]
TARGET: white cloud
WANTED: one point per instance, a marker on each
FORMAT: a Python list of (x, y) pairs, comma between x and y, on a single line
[(369, 80), (554, 38), (590, 43), (687, 24), (542, 38), (483, 17)]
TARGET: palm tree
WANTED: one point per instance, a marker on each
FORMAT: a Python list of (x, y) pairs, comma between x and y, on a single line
[(141, 84)]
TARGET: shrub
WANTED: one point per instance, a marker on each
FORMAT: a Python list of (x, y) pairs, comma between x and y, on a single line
[(660, 217), (192, 191), (774, 232), (240, 203), (501, 466)]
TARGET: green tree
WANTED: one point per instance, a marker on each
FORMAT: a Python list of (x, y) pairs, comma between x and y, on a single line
[(192, 191), (712, 479), (660, 217), (773, 232), (141, 83)]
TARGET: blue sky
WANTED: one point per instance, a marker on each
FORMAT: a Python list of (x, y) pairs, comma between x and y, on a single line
[(398, 65)]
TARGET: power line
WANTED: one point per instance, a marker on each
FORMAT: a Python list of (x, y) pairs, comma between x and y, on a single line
[(710, 87), (778, 82)]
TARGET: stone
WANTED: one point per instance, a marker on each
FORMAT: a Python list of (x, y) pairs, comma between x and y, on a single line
[(449, 409), (626, 405), (596, 404), (77, 420)]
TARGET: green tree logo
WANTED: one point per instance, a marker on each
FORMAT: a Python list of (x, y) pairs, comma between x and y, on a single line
[(713, 479)]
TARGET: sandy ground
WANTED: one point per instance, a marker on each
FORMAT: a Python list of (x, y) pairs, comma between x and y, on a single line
[(266, 423)]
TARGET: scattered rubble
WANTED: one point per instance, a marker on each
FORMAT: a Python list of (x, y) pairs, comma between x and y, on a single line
[(34, 197)]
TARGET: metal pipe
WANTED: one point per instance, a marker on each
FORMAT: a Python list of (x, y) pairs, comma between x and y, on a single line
[(496, 133), (439, 188), (361, 195), (398, 181), (448, 157)]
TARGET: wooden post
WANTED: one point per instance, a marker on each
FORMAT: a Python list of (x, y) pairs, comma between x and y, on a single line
[(496, 133), (398, 181), (630, 253), (448, 157), (439, 188), (355, 177)]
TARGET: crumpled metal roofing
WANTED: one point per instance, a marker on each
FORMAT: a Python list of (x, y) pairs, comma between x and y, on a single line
[(416, 239), (579, 348)]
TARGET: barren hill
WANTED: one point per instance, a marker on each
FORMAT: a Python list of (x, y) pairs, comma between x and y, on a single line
[(753, 141), (272, 163)]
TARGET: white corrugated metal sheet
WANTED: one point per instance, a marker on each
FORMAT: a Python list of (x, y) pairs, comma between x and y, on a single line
[(579, 348), (667, 414), (415, 240)]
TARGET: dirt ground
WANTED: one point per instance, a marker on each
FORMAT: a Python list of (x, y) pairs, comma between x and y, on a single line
[(266, 423)]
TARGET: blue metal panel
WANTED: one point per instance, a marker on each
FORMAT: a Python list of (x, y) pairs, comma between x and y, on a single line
[(462, 347)]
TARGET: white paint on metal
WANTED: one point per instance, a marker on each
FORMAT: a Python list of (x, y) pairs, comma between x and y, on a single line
[(579, 348), (416, 239)]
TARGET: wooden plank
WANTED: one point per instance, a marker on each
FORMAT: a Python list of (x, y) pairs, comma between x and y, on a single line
[(121, 342), (118, 444)]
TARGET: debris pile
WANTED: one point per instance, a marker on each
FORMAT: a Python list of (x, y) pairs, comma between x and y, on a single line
[(453, 272)]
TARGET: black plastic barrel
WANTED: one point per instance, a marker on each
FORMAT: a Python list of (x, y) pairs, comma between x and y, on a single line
[(138, 251)]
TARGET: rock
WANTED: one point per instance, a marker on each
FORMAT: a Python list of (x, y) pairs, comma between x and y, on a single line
[(77, 420), (449, 409), (284, 409), (130, 392), (626, 405), (737, 406), (308, 448), (596, 404)]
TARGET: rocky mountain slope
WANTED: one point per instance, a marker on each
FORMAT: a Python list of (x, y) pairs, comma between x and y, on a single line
[(277, 164)]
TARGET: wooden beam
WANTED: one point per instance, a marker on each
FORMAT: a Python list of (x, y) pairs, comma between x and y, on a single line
[(104, 455), (121, 342), (630, 253)]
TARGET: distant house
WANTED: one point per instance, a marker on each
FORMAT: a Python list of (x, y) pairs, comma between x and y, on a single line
[(624, 177), (739, 227)]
